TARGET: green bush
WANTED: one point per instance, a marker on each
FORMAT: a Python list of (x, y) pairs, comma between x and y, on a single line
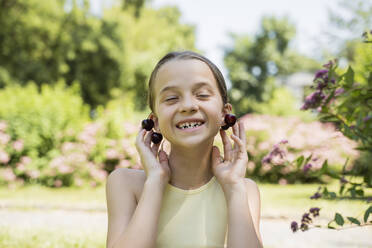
[(35, 122)]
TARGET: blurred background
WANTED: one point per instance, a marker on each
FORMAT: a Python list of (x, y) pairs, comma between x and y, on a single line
[(73, 91)]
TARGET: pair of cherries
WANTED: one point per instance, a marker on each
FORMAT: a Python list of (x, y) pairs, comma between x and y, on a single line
[(156, 138), (148, 124)]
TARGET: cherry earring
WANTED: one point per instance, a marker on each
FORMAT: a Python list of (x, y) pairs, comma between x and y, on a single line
[(148, 124), (156, 137), (229, 120)]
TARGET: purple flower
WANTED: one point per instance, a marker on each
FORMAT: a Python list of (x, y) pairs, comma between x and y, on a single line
[(339, 91), (307, 168), (266, 159), (314, 211), (304, 227), (313, 100), (367, 118), (343, 180), (306, 218), (317, 195), (294, 226), (321, 74)]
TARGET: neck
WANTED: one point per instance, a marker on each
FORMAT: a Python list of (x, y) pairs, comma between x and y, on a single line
[(190, 167)]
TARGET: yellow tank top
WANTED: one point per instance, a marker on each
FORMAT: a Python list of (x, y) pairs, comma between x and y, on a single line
[(195, 218)]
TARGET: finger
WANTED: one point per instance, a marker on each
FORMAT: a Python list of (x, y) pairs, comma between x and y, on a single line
[(148, 138), (155, 148), (227, 148), (242, 135), (238, 142), (235, 129), (216, 157), (140, 135)]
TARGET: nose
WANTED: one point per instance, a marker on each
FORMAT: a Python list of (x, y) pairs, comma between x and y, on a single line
[(188, 104)]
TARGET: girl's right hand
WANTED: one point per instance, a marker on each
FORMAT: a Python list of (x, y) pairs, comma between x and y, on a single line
[(153, 167)]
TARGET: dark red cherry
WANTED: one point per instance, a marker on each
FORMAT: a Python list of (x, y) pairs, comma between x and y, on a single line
[(225, 127), (156, 137), (147, 124), (230, 119)]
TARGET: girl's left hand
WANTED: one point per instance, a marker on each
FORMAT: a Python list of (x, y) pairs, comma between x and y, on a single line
[(230, 171)]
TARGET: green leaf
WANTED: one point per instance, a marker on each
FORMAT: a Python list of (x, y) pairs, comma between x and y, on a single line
[(332, 195), (366, 214), (353, 220), (299, 161), (341, 189), (324, 167), (339, 219), (359, 192), (349, 77)]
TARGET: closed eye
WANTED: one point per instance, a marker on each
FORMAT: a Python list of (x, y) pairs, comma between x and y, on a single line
[(170, 99), (203, 95)]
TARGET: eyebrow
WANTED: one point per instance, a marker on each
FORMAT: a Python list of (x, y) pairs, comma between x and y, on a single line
[(197, 85)]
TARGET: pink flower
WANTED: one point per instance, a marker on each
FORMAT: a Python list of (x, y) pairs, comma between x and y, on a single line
[(18, 145), (4, 157), (26, 160), (68, 146), (4, 138), (9, 175), (283, 181), (58, 183), (20, 167), (64, 169), (3, 126), (112, 154), (124, 163), (33, 174)]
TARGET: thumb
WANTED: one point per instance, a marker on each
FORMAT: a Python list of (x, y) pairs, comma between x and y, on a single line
[(215, 156), (163, 158)]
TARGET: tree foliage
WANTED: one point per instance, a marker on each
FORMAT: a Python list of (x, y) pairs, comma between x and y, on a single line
[(45, 41), (254, 62)]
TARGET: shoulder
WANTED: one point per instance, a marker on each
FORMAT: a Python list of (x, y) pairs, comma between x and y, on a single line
[(131, 178)]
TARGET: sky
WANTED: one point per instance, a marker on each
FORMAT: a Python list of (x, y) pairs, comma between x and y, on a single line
[(215, 19)]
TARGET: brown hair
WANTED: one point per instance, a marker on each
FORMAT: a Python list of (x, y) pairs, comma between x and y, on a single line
[(187, 55)]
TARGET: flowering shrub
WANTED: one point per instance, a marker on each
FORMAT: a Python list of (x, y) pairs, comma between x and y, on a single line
[(348, 104), (46, 138), (294, 144)]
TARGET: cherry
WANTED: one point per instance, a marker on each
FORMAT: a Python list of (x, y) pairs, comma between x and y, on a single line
[(230, 119), (225, 127), (147, 124), (156, 137)]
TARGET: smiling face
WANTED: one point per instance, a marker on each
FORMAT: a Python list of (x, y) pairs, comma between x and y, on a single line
[(185, 90)]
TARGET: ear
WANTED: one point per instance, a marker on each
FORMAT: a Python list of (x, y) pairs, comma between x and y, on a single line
[(227, 109), (153, 117)]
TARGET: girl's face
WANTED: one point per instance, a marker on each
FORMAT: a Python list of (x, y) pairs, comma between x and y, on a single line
[(186, 91)]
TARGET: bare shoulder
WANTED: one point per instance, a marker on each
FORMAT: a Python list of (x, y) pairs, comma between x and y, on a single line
[(121, 195), (132, 178)]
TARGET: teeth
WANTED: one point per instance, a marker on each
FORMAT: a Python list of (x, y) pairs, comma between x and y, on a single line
[(189, 124)]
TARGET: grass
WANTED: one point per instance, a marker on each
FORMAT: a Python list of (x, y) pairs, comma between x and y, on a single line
[(277, 201), (11, 237)]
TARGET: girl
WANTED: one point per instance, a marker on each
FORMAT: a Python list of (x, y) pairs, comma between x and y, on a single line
[(192, 197)]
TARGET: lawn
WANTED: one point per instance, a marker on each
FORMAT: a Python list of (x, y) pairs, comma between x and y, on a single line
[(36, 216)]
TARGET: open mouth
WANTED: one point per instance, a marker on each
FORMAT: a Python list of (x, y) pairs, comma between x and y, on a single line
[(190, 125)]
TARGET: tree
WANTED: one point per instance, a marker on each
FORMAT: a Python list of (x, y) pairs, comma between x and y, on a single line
[(347, 19), (253, 63), (45, 41)]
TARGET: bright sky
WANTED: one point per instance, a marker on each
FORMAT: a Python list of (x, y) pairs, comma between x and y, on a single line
[(214, 19)]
